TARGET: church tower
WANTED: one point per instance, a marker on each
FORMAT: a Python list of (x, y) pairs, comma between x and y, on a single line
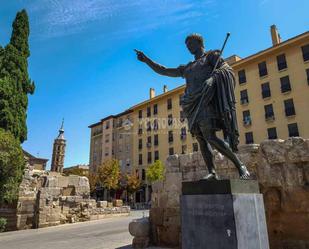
[(58, 151)]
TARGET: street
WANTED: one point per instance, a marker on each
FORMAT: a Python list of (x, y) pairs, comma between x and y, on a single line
[(110, 233)]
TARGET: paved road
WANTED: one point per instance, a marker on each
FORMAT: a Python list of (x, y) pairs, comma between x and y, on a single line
[(108, 233)]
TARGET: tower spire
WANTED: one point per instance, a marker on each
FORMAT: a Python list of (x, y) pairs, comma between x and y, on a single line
[(59, 151)]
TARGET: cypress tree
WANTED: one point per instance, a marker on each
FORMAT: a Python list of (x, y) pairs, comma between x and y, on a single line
[(15, 84)]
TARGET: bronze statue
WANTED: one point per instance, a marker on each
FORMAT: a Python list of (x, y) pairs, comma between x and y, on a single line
[(208, 102)]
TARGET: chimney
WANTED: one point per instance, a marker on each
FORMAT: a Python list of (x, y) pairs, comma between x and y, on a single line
[(164, 88), (275, 36), (152, 93)]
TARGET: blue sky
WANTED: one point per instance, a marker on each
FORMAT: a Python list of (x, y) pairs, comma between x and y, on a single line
[(83, 63)]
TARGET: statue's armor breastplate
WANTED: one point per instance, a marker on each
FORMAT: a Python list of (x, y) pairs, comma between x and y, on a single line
[(196, 73)]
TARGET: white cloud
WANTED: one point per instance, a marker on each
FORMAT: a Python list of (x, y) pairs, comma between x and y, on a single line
[(55, 18)]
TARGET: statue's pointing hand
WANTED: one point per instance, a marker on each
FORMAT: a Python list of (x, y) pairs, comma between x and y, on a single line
[(140, 55)]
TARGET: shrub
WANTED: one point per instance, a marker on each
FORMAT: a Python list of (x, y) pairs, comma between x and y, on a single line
[(2, 224)]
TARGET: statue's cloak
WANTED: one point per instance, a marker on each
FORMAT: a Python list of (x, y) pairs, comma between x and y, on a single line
[(220, 94)]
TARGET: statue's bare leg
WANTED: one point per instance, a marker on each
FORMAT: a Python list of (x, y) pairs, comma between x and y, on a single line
[(225, 149), (208, 156)]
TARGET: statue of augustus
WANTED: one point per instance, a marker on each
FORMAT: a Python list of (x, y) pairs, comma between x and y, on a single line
[(208, 102)]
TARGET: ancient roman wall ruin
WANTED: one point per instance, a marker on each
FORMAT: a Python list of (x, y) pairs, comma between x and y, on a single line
[(282, 169)]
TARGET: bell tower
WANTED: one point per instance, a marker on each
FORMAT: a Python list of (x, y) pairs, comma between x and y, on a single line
[(58, 151)]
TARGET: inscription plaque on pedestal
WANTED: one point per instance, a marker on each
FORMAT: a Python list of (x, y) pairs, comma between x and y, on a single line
[(227, 217)]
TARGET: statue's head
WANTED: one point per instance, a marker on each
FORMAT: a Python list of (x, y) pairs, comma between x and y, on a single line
[(194, 43)]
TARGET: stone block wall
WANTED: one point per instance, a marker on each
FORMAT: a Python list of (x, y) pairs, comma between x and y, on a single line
[(49, 199), (280, 166)]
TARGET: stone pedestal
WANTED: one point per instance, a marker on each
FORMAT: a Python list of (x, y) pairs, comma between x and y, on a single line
[(225, 214)]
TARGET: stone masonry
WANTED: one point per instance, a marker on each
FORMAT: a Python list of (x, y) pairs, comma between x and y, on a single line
[(49, 199), (280, 166)]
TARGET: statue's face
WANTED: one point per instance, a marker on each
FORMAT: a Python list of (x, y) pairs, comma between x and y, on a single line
[(193, 45)]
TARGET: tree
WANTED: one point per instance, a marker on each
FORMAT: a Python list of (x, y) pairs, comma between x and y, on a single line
[(12, 163), (74, 171), (133, 183), (155, 172), (15, 84), (92, 177), (109, 174)]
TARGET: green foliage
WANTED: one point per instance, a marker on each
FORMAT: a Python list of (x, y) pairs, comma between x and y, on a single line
[(155, 172), (11, 167), (109, 174), (2, 224), (133, 183), (15, 84)]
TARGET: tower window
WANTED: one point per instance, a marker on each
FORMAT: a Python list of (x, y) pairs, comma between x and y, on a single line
[(170, 136), (140, 114), (262, 69), (156, 140), (281, 62), (140, 144), (170, 119)]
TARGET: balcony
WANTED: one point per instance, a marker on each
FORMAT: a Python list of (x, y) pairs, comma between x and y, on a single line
[(247, 121), (244, 101)]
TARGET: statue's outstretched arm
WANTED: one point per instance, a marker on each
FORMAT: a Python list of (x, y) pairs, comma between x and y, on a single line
[(171, 72)]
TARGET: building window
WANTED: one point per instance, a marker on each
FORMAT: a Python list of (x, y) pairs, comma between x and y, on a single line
[(266, 90), (242, 76), (140, 113), (184, 149), (293, 130), (140, 144), (307, 72), (281, 62), (170, 136), (305, 50), (285, 84), (137, 173), (262, 69), (149, 159), (107, 125), (246, 117), (269, 112), (180, 98), (170, 120), (182, 116), (249, 137), (183, 133), (149, 142), (171, 151), (244, 99), (155, 109), (272, 133), (140, 130), (155, 125), (195, 147), (169, 104), (156, 140), (289, 107), (148, 126), (143, 174), (148, 112), (140, 159), (156, 155)]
